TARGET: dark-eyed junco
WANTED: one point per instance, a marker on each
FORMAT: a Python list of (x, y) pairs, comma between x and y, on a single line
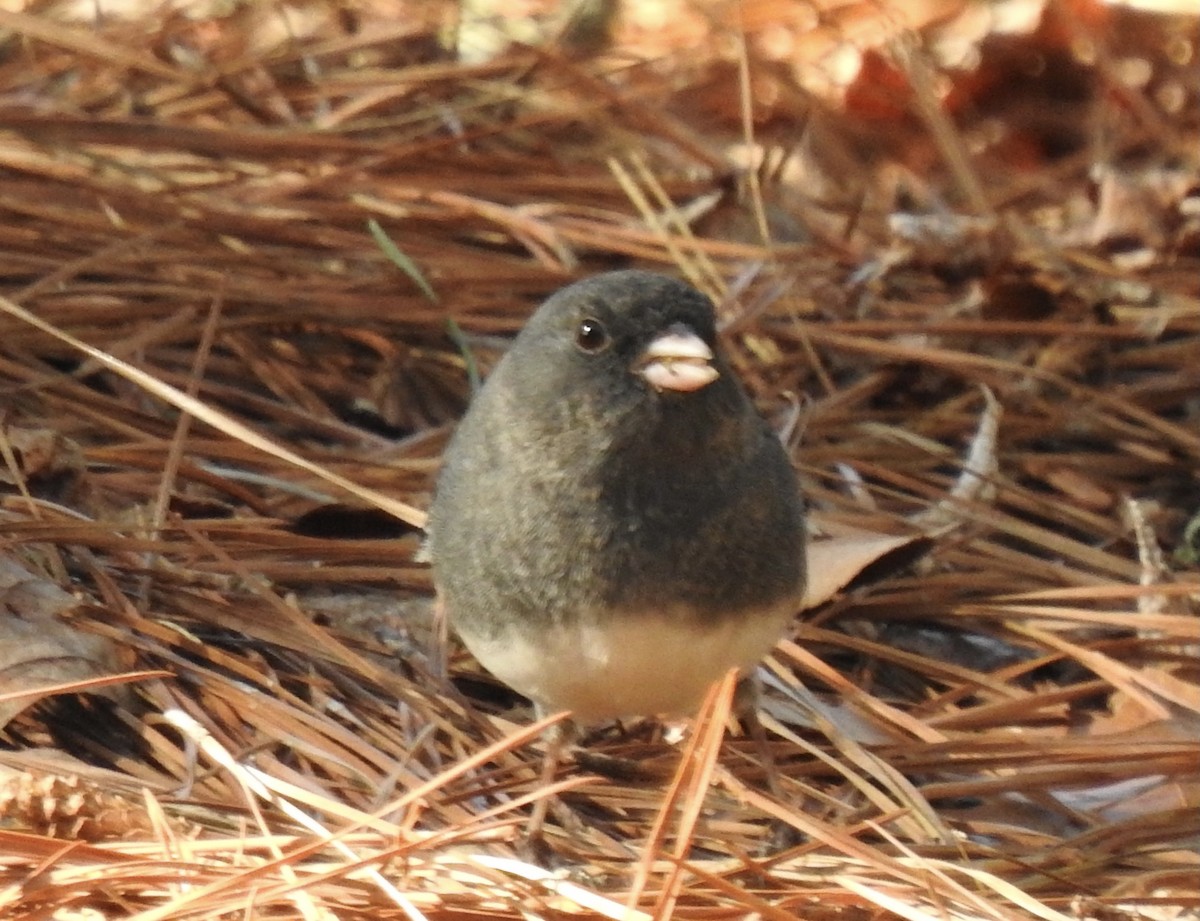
[(615, 526)]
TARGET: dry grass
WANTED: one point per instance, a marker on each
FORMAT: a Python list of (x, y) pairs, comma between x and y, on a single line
[(995, 722)]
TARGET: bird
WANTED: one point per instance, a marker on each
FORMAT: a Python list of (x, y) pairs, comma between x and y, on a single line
[(614, 525)]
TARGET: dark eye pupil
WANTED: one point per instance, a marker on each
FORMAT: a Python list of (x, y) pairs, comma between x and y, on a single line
[(591, 336)]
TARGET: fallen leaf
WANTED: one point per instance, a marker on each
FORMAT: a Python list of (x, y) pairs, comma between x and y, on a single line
[(39, 652), (40, 453), (835, 562)]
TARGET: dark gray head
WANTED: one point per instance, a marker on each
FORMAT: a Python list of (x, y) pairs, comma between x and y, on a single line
[(629, 353)]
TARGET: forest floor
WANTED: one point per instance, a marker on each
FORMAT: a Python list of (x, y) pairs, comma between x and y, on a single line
[(251, 258)]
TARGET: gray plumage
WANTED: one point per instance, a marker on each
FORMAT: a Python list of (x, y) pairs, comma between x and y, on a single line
[(577, 502)]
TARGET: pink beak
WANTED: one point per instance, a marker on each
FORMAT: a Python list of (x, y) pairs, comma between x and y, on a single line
[(677, 360)]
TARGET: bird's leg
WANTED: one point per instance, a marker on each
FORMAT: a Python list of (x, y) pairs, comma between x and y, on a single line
[(557, 738), (556, 742), (746, 700)]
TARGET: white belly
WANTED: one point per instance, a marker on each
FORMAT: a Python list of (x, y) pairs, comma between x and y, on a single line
[(629, 666)]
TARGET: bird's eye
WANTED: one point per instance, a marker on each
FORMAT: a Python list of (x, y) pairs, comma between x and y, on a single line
[(590, 335)]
